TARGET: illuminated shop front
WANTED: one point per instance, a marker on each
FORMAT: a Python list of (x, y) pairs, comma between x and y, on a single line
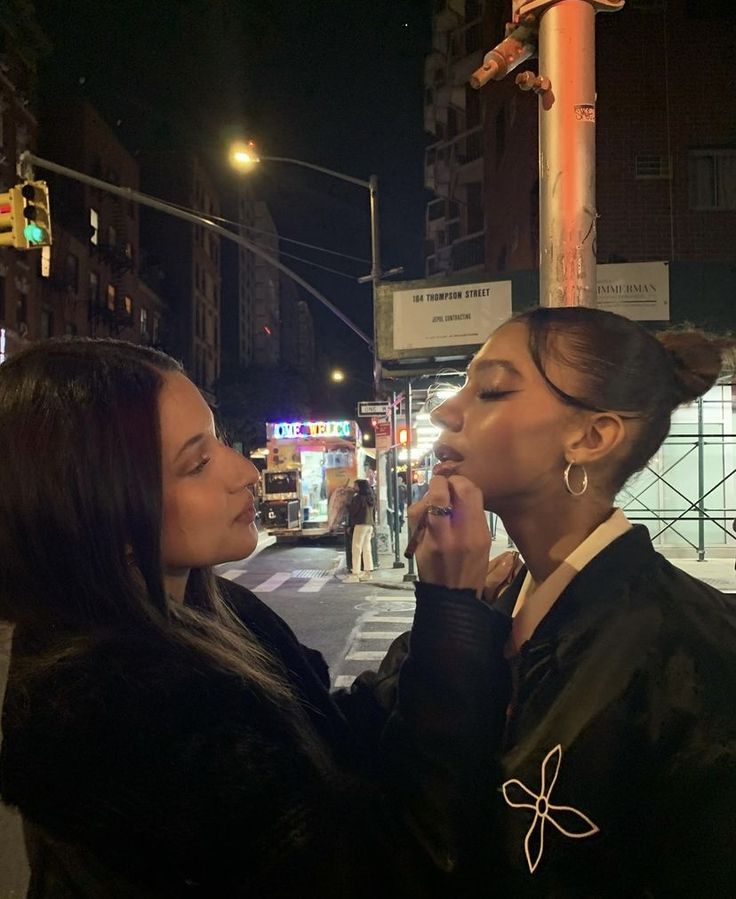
[(314, 463)]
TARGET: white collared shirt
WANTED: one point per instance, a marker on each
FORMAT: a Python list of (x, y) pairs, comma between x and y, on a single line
[(532, 604)]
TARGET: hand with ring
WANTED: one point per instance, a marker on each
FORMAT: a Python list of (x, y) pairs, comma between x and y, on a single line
[(450, 536)]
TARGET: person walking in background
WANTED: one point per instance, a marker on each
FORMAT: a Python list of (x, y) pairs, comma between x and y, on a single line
[(361, 519)]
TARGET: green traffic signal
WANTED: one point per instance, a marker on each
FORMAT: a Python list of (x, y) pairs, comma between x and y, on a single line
[(34, 234)]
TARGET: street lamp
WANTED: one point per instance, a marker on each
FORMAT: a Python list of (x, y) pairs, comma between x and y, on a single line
[(244, 157)]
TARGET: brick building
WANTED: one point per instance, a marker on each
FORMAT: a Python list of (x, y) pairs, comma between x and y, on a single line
[(20, 44), (666, 152), (96, 283)]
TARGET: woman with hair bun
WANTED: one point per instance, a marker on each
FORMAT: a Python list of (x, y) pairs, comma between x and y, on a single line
[(618, 757), (164, 732)]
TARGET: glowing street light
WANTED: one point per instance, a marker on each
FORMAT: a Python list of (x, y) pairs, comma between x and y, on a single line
[(244, 156), (337, 375)]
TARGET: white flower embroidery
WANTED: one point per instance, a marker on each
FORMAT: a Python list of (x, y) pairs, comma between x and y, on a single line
[(577, 824)]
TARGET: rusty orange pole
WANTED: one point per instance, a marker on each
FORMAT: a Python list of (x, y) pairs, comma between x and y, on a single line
[(562, 33)]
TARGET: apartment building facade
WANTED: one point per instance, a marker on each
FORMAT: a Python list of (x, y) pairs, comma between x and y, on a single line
[(453, 115)]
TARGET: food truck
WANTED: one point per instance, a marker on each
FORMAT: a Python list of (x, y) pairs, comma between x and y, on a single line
[(308, 483)]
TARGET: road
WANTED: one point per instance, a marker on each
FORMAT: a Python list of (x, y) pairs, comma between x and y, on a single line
[(352, 625)]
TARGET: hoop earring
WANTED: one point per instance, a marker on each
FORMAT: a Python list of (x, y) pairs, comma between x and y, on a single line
[(566, 479)]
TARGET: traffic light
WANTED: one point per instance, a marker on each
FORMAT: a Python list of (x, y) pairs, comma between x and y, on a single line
[(36, 214), (11, 219), (25, 221), (403, 436)]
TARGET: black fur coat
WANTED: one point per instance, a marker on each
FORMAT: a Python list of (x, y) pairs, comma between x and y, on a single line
[(141, 774)]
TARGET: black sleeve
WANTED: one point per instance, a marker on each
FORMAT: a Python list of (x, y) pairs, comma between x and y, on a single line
[(444, 733)]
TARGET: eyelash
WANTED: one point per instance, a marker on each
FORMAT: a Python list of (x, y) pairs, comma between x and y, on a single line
[(494, 394), (199, 468)]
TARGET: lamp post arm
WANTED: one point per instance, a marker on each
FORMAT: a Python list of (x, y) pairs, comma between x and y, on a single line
[(29, 159), (318, 168)]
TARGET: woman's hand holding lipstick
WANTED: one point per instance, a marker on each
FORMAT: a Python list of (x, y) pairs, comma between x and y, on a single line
[(450, 536)]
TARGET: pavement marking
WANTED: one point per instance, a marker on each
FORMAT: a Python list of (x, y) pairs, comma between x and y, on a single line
[(365, 656), (388, 597), (379, 635), (233, 573), (344, 680), (273, 583), (314, 585), (390, 619), (310, 573)]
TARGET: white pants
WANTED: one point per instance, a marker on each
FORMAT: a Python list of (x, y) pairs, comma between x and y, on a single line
[(362, 534)]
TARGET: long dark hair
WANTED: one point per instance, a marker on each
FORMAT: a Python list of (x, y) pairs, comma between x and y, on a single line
[(80, 509), (623, 367)]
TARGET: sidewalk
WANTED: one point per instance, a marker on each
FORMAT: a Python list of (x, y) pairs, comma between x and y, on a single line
[(719, 573)]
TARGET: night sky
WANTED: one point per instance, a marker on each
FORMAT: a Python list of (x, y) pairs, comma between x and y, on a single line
[(338, 84)]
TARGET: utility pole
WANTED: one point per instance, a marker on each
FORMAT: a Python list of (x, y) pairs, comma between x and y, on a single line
[(562, 34)]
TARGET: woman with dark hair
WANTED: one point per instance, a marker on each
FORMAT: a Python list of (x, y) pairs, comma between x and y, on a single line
[(618, 760), (361, 521), (164, 733)]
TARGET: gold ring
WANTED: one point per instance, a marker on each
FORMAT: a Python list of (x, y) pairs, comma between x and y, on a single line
[(439, 510)]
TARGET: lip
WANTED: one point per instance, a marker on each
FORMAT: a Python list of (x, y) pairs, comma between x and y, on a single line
[(446, 468), (449, 459), (247, 516)]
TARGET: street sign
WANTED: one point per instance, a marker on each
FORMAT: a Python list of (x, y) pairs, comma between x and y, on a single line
[(369, 408), (383, 436)]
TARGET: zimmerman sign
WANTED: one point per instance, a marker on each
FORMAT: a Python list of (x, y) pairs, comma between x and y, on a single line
[(638, 290), (449, 316)]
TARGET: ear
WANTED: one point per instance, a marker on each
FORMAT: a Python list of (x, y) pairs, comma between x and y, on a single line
[(597, 436)]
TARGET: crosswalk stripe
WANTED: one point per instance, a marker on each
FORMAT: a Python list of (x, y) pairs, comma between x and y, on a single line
[(366, 655), (273, 583), (344, 680), (379, 635), (233, 573), (314, 585), (388, 619)]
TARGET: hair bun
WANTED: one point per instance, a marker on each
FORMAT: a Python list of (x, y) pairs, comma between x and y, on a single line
[(697, 361)]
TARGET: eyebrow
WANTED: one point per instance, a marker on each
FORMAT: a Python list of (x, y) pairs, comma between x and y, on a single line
[(197, 438), (483, 364)]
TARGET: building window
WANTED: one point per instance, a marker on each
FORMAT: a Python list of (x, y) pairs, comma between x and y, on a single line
[(472, 10), (94, 226), (112, 236), (156, 328), (129, 250), (112, 298), (472, 107), (653, 166), (47, 324), (713, 179), (473, 38), (128, 304), (500, 135), (94, 288), (72, 272), (21, 310), (144, 321)]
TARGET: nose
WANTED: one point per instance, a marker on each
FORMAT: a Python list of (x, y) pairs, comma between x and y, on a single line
[(245, 473), (447, 415)]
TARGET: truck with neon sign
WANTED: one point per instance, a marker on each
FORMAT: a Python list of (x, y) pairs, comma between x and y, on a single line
[(308, 482)]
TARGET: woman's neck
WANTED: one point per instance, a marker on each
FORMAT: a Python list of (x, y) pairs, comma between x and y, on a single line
[(546, 537), (175, 583)]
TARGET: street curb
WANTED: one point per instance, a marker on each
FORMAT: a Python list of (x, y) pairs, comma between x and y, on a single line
[(391, 585)]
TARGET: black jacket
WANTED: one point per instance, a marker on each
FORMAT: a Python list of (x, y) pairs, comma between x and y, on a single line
[(618, 763), (139, 773)]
